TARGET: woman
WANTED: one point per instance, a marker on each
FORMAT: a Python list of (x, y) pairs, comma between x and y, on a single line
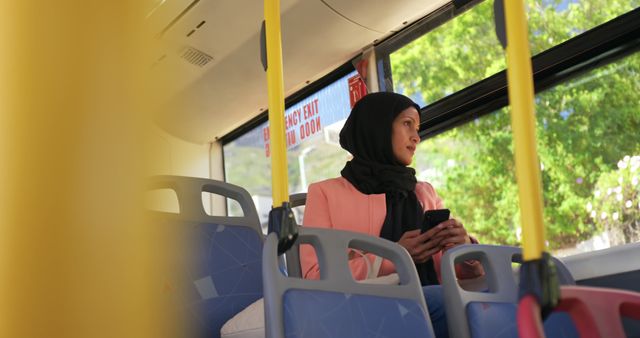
[(377, 194)]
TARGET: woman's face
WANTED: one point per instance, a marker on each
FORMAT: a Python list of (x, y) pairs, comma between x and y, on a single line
[(404, 135)]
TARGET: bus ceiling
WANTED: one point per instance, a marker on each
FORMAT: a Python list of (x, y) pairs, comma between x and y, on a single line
[(210, 54)]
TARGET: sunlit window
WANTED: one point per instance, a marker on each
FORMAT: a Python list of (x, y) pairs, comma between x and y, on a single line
[(589, 152), (466, 50), (313, 152)]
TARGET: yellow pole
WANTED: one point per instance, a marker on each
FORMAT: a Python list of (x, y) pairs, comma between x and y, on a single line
[(520, 79), (275, 84), (77, 258)]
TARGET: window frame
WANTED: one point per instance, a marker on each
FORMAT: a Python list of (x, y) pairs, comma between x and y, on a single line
[(289, 101), (594, 48)]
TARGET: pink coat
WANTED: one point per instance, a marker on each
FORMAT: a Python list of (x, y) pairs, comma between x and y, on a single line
[(336, 204)]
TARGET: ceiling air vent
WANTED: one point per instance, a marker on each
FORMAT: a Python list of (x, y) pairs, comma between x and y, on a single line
[(196, 57)]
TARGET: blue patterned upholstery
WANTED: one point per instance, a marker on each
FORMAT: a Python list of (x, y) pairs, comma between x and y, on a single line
[(560, 325), (498, 320), (225, 272), (218, 272), (321, 314)]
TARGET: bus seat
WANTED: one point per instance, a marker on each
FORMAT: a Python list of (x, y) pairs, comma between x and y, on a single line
[(336, 305), (596, 312), (293, 254), (491, 312), (219, 272)]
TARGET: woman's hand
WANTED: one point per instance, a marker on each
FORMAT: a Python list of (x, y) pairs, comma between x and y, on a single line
[(421, 246), (452, 234)]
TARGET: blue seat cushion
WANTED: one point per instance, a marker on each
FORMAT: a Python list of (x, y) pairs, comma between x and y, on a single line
[(217, 274), (312, 314), (498, 320)]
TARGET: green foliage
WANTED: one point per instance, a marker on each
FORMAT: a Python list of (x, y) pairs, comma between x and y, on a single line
[(451, 57), (584, 126), (615, 206)]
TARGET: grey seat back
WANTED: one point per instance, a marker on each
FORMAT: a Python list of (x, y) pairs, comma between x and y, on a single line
[(489, 312), (219, 271), (336, 305)]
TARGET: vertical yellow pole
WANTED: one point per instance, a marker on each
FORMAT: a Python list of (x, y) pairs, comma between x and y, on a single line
[(275, 85), (523, 124), (76, 257)]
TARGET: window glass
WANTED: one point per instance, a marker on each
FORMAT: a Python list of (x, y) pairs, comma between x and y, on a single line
[(313, 152), (466, 50), (589, 153)]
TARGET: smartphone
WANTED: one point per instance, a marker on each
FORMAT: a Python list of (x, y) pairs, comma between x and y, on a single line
[(433, 218)]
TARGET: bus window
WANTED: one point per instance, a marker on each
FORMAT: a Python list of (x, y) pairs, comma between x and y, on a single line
[(589, 153), (466, 50), (312, 127)]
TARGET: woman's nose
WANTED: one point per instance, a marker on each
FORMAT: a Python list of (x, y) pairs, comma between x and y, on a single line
[(415, 137)]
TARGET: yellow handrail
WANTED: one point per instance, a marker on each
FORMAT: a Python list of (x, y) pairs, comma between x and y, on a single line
[(279, 183), (523, 123), (77, 256)]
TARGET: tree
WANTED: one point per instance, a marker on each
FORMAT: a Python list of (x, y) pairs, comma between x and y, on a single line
[(616, 202)]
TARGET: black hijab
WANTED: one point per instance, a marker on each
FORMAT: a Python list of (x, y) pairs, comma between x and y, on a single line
[(374, 168)]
